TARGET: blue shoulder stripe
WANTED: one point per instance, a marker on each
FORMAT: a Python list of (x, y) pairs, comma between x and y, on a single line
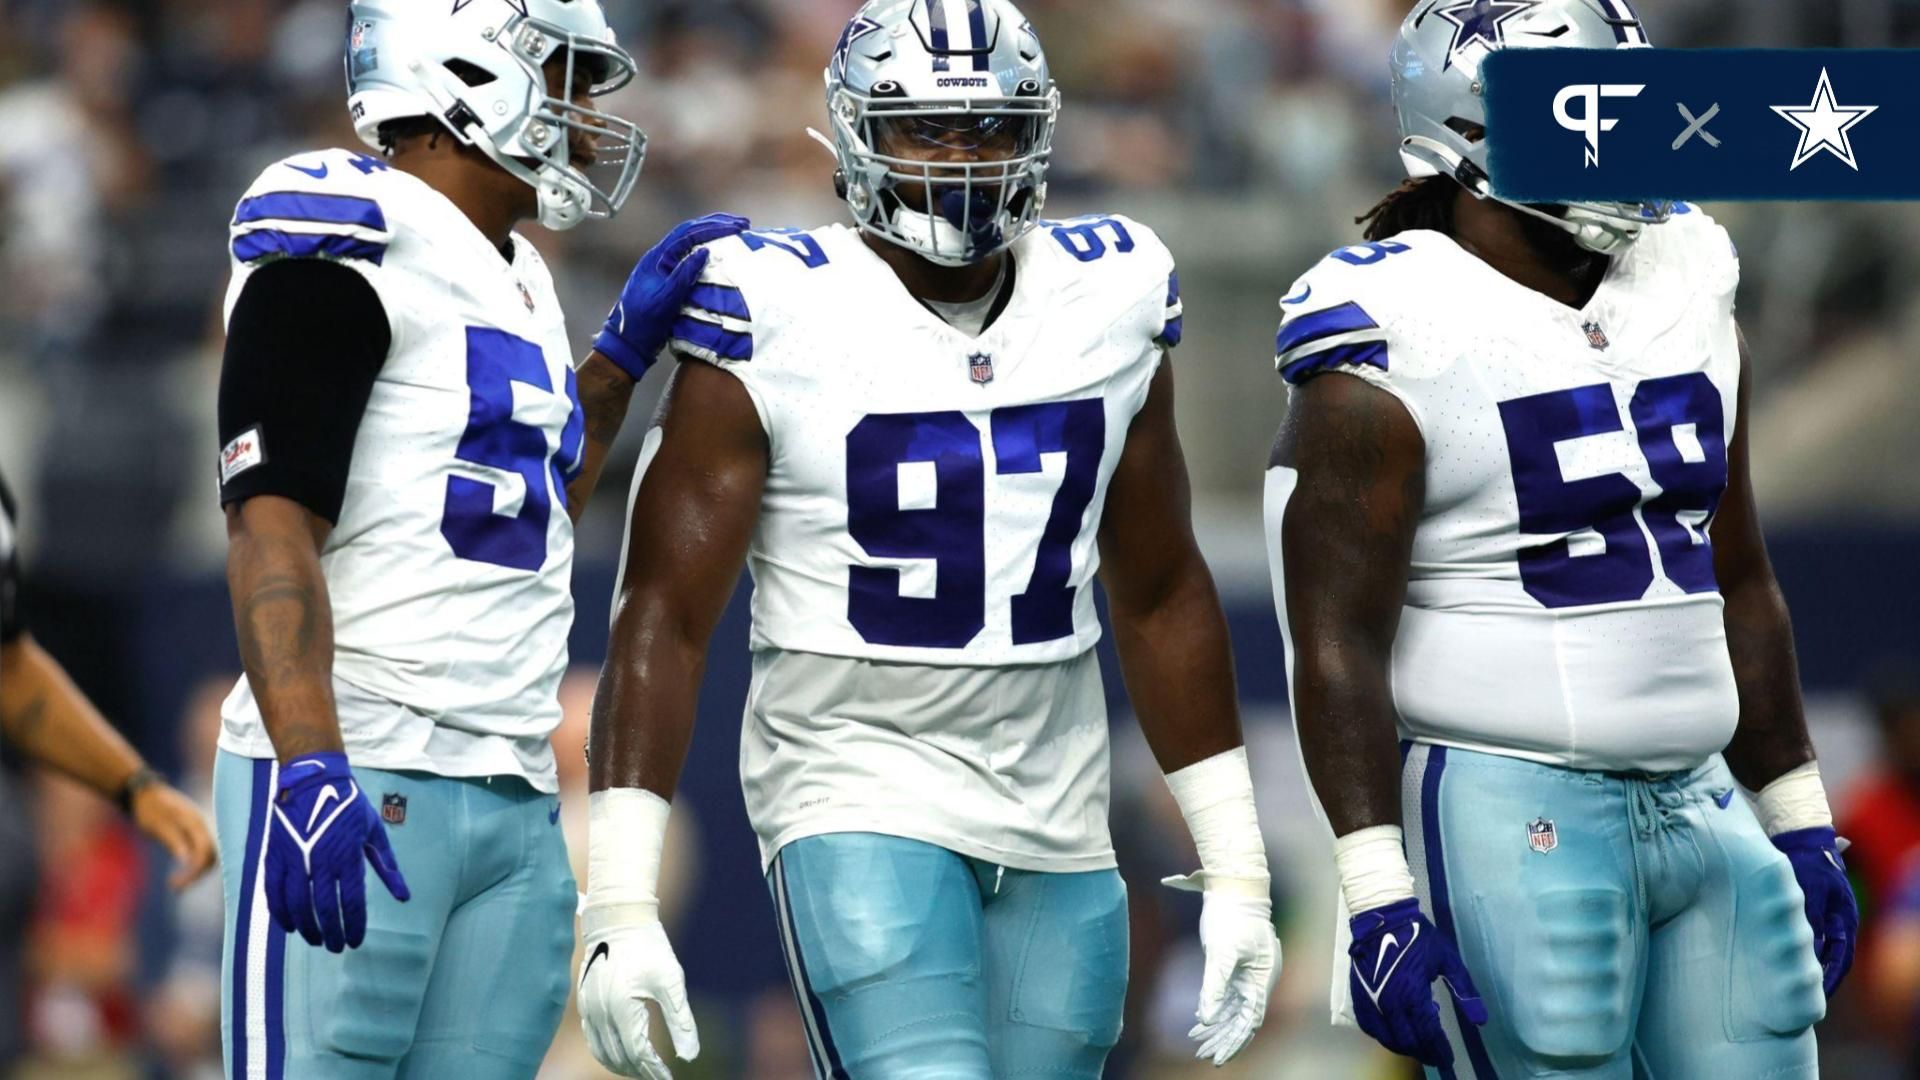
[(713, 338), (721, 300), (307, 206), (261, 243), (1170, 334), (1314, 325), (1173, 288), (1353, 354)]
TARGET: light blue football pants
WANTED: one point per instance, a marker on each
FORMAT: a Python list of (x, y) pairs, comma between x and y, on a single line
[(1618, 927), (466, 980), (911, 962)]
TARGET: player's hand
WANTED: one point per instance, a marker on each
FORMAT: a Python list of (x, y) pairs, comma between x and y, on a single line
[(642, 320), (1835, 917), (1242, 961), (628, 964), (322, 829), (1397, 954), (171, 820)]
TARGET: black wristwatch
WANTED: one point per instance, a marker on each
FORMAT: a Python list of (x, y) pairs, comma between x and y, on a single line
[(142, 779)]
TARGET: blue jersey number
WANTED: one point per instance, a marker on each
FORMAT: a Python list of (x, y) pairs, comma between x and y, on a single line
[(952, 531), (1081, 237), (1682, 433), (495, 361), (792, 241)]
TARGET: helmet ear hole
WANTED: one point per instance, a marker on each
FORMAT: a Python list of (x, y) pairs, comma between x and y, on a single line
[(470, 73)]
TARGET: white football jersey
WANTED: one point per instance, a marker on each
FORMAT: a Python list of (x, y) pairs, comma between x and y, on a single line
[(449, 569), (931, 509), (1561, 603)]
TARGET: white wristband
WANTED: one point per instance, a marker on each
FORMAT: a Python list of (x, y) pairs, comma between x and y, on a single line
[(626, 830), (1216, 798), (1372, 864), (1797, 800)]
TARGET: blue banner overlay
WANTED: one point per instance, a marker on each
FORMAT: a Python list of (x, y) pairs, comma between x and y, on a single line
[(1566, 125)]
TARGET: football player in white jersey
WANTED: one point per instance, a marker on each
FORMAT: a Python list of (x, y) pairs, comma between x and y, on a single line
[(1513, 533), (405, 446), (924, 434)]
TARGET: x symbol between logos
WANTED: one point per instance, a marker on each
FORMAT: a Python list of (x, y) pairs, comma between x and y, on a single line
[(1697, 126)]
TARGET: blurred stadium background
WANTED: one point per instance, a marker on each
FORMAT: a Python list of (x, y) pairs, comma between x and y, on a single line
[(1248, 132)]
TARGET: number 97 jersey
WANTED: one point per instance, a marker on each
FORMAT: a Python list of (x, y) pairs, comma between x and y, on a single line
[(934, 497), (1561, 603)]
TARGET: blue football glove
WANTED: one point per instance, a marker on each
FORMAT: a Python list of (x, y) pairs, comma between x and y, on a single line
[(640, 323), (1815, 855), (322, 827), (1397, 954)]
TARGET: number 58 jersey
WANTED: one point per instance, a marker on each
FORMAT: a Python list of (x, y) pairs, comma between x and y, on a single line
[(449, 570), (1561, 603), (934, 497)]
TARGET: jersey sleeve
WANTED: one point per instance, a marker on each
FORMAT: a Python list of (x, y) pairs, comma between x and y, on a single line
[(1341, 316), (12, 623), (715, 324), (325, 205), (718, 323)]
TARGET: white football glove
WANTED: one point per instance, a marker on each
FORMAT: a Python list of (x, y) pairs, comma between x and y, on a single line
[(628, 960), (1242, 961), (1236, 915), (628, 964)]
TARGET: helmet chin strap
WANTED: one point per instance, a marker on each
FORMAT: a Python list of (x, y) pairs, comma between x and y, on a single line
[(563, 203), (1594, 232), (933, 237)]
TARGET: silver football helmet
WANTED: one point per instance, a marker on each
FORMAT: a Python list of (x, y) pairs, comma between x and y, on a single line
[(942, 117), (1436, 91), (479, 70)]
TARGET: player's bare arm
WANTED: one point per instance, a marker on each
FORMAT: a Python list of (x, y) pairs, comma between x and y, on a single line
[(1771, 739), (1175, 655), (283, 621), (45, 717), (691, 523), (687, 541), (605, 394), (1770, 752), (1168, 626), (1348, 535)]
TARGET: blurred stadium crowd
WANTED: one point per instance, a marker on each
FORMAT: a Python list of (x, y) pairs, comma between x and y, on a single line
[(1248, 132)]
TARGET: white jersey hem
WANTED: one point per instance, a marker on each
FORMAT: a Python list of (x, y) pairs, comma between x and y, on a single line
[(870, 821)]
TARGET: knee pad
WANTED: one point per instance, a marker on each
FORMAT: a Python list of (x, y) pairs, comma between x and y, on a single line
[(1071, 977), (1775, 979), (365, 1002), (1564, 967)]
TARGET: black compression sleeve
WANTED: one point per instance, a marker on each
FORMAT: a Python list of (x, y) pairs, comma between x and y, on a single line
[(12, 625), (305, 343)]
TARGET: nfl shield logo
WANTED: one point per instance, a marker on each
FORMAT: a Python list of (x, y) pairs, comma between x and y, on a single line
[(393, 809), (980, 366), (1596, 337), (527, 295), (1541, 837)]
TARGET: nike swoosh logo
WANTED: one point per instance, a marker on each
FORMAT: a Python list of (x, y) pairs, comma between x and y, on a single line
[(1724, 798), (320, 804), (318, 174), (1380, 979), (1301, 299), (599, 951), (553, 815)]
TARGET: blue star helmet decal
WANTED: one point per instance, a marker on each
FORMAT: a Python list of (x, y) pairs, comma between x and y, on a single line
[(1479, 21), (860, 27), (517, 5)]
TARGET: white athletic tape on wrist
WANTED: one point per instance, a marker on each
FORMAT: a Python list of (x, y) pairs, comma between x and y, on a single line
[(1216, 798), (1797, 800), (1372, 864), (626, 830)]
